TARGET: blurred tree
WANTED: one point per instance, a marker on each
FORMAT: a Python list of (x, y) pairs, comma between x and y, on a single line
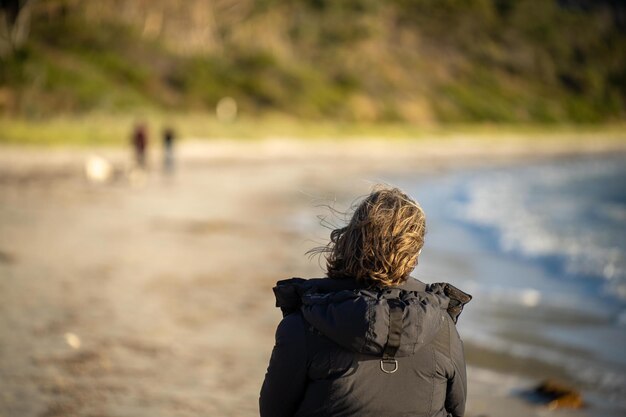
[(420, 61), (14, 24)]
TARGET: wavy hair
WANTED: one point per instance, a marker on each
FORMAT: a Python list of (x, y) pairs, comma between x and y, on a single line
[(380, 243)]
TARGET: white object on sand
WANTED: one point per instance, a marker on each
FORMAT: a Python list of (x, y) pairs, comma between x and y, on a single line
[(98, 169), (72, 340)]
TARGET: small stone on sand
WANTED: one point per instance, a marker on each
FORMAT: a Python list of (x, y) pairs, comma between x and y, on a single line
[(559, 395), (72, 340)]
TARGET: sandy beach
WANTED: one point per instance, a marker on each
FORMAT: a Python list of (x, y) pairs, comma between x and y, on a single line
[(150, 295)]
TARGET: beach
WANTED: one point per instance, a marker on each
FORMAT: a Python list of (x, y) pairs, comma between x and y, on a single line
[(150, 294)]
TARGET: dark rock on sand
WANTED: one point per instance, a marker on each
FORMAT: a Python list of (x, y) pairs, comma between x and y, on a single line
[(6, 257), (556, 394)]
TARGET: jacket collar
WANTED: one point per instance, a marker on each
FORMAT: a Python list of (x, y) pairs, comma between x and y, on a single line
[(289, 292)]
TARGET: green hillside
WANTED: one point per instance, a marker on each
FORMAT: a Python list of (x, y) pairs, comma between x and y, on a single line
[(419, 61)]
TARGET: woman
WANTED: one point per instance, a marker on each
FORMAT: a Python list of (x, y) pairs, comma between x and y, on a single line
[(368, 340)]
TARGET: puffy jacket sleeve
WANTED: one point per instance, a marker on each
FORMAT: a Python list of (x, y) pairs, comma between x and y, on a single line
[(285, 380), (457, 382)]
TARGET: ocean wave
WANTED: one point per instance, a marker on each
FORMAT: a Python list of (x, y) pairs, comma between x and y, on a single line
[(574, 215)]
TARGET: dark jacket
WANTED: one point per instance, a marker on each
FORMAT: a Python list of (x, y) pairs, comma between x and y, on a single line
[(343, 349)]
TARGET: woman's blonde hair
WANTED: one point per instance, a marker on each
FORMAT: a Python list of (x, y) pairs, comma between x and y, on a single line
[(381, 242)]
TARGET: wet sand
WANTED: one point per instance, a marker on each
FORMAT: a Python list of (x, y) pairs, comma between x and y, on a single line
[(151, 296)]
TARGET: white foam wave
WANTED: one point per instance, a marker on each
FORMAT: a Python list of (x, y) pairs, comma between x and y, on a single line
[(541, 213)]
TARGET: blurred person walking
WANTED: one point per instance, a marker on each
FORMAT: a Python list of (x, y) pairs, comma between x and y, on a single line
[(168, 149), (368, 340), (140, 143)]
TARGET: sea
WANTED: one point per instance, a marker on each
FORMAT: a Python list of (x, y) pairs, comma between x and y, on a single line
[(541, 246)]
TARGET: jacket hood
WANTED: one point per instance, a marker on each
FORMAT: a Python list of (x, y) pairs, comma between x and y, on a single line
[(357, 316)]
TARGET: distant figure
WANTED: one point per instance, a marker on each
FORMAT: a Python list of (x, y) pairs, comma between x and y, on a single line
[(168, 149), (140, 143)]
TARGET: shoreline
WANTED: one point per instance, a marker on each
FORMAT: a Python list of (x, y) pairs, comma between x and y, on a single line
[(435, 152), (149, 295), (508, 380)]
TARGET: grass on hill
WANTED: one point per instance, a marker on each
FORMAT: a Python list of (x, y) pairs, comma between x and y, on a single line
[(349, 61), (106, 129)]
